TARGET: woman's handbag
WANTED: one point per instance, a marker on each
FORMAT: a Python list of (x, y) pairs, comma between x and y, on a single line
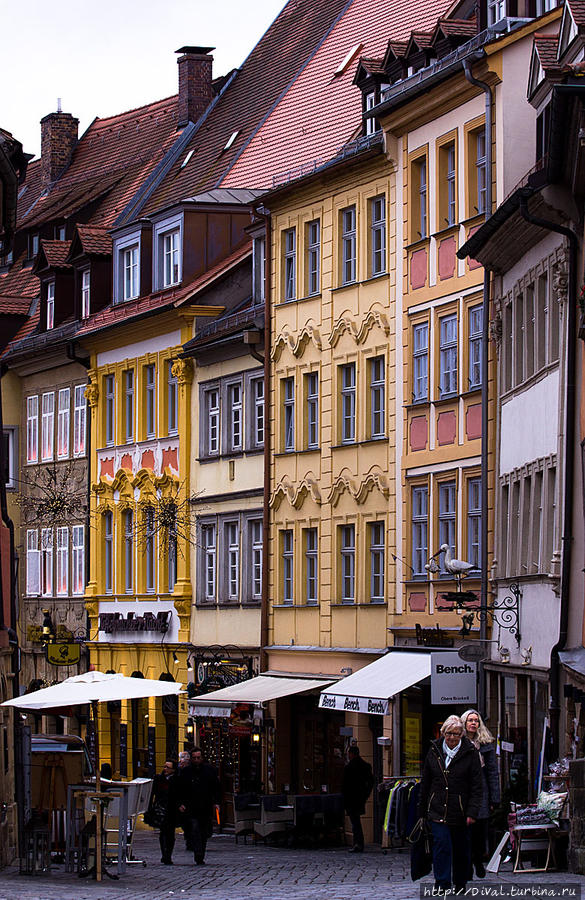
[(155, 814), (421, 850)]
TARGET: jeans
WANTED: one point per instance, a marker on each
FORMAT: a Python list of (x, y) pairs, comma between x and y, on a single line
[(196, 832), (451, 854), (167, 840), (357, 830)]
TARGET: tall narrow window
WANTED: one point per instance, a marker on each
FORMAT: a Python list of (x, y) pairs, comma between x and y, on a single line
[(474, 522), (172, 403), (290, 264), (129, 404), (109, 552), (235, 416), (78, 559), (48, 426), (209, 550), (313, 257), (348, 245), (150, 373), (85, 294), (110, 385), (481, 171), (212, 400), (63, 419), (129, 260), (259, 269), (419, 204), (371, 124), (287, 565), (232, 533), (128, 551), (150, 551), (32, 429), (378, 235), (50, 305), (311, 565), (171, 261), (447, 500), (258, 411), (377, 398), (33, 574), (47, 562), (420, 544), (348, 403), (62, 561), (79, 420), (377, 547), (475, 344), (172, 549), (448, 356), (288, 387), (448, 173), (420, 385), (257, 550), (347, 552), (312, 397)]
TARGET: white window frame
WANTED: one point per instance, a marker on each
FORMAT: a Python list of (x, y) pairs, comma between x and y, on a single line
[(257, 402), (235, 408), (172, 400), (371, 124), (11, 438), (33, 563), (377, 371), (62, 573), (47, 426), (448, 355), (420, 529), (150, 400), (211, 421), (451, 178), (171, 257), (78, 560), (50, 305), (475, 346), (255, 528), (32, 428), (347, 562), (447, 501), (377, 207), (46, 569), (85, 293), (232, 560), (348, 245), (130, 272), (209, 533), (377, 561), (129, 405), (312, 398), (129, 241), (420, 377), (421, 165), (290, 264), (311, 543), (481, 169), (348, 403), (474, 522), (63, 422), (79, 420), (313, 257)]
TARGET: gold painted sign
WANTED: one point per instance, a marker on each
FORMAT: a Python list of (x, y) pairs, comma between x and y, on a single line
[(63, 654)]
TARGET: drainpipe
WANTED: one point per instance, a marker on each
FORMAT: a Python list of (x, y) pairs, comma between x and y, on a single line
[(570, 399), (85, 362), (467, 64)]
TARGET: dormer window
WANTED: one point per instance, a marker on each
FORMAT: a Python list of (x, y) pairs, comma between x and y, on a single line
[(33, 245), (50, 305), (371, 124), (496, 11), (59, 232), (130, 273), (171, 258), (85, 290)]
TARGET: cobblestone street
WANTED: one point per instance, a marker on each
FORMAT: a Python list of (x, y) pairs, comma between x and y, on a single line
[(246, 872)]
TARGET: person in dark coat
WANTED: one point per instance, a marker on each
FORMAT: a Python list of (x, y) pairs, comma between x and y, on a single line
[(199, 796), (162, 794), (358, 782), (450, 798), (480, 737)]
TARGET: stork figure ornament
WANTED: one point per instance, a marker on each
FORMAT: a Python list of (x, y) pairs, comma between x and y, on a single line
[(456, 567)]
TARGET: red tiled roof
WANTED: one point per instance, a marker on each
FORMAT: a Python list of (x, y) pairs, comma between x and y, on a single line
[(372, 65), (20, 281), (422, 39), (457, 27), (546, 47), (27, 328), (56, 253), (18, 306), (577, 8), (397, 48), (320, 112), (94, 241)]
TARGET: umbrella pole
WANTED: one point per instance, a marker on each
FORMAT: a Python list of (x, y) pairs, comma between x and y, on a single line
[(98, 817)]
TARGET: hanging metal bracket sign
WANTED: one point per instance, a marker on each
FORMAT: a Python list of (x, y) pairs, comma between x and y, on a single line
[(63, 654)]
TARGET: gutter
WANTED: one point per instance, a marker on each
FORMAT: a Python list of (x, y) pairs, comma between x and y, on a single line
[(570, 402), (467, 68)]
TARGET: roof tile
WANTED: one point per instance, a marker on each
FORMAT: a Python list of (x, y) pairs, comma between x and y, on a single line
[(56, 253)]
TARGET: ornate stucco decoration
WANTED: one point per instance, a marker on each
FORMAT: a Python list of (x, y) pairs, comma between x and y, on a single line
[(341, 485), (371, 481), (282, 490), (496, 330), (307, 488), (308, 334), (560, 280), (182, 370), (343, 324), (92, 394)]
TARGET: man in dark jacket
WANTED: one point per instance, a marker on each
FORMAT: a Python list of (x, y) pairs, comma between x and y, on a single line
[(358, 782), (200, 795), (162, 796), (450, 798)]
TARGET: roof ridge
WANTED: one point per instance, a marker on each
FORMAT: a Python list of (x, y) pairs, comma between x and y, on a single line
[(99, 120)]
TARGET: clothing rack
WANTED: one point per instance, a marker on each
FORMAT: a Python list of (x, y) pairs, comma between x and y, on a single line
[(400, 808)]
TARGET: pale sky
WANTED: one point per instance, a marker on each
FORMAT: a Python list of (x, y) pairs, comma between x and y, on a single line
[(106, 56)]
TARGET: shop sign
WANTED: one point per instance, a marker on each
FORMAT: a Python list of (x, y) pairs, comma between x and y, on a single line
[(432, 637), (113, 623), (151, 751), (375, 707), (123, 749), (63, 654), (453, 680)]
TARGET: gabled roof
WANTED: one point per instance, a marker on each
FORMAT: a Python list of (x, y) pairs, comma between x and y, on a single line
[(93, 241), (53, 255), (577, 8), (421, 39), (546, 46), (368, 66), (456, 28)]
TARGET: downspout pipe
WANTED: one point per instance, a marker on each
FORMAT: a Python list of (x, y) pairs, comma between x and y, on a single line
[(467, 68), (570, 405)]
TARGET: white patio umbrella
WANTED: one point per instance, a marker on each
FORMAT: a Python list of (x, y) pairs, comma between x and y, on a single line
[(94, 688)]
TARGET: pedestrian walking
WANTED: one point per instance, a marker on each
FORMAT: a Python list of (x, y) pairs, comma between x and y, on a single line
[(483, 741), (161, 812), (358, 782), (199, 798), (450, 798), (183, 772)]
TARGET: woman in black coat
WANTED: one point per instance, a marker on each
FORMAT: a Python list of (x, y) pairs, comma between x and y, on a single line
[(478, 734), (450, 798)]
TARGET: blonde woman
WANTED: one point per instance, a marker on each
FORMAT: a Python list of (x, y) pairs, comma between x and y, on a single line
[(450, 798), (481, 738)]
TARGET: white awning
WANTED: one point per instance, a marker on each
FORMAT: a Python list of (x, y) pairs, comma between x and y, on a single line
[(369, 689), (256, 691)]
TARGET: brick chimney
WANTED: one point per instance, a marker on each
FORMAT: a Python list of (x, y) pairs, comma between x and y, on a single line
[(58, 140), (195, 90)]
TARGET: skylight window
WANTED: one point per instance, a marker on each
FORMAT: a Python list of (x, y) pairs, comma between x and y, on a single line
[(187, 158), (231, 139), (349, 58)]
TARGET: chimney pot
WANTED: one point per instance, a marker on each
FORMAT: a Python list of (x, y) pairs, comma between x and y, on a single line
[(58, 141), (195, 83)]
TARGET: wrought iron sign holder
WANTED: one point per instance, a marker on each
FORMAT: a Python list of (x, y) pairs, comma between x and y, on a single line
[(505, 612)]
